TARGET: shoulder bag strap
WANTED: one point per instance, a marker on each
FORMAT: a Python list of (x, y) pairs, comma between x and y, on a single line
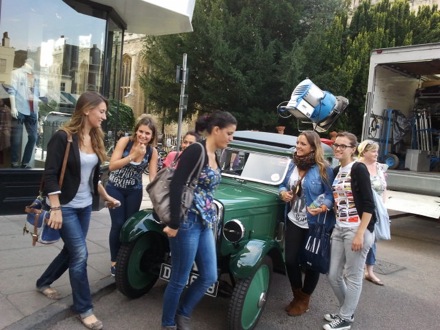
[(198, 167), (66, 155)]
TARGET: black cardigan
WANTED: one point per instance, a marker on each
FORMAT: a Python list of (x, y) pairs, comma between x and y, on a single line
[(187, 161), (362, 191), (72, 177)]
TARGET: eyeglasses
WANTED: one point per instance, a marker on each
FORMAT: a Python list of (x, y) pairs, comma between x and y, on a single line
[(341, 146)]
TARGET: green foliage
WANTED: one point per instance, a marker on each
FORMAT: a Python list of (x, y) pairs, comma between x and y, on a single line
[(239, 58), (119, 117), (247, 56)]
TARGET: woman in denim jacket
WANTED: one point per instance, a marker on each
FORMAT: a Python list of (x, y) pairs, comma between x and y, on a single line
[(307, 192)]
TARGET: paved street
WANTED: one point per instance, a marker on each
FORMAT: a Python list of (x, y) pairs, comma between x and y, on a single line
[(409, 299)]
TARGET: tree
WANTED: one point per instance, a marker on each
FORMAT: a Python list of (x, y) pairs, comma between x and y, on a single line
[(238, 58)]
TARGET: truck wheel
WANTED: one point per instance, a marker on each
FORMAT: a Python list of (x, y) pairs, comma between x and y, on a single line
[(138, 264), (249, 298), (392, 161)]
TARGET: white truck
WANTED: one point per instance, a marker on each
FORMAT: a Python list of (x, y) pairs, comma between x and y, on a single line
[(402, 114)]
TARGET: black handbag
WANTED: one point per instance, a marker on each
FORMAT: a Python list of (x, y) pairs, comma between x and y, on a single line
[(316, 253), (159, 189), (38, 213)]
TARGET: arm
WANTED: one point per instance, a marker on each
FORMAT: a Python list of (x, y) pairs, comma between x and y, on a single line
[(110, 201), (328, 194), (284, 191), (152, 164), (187, 162), (116, 161), (362, 176)]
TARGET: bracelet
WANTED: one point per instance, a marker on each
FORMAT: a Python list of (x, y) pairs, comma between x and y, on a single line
[(56, 208)]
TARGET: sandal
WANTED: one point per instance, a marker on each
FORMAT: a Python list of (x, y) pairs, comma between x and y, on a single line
[(97, 325), (51, 293)]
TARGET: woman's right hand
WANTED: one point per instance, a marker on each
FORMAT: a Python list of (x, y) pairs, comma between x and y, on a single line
[(286, 196)]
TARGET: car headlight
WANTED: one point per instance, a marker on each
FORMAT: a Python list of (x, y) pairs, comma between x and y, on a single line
[(233, 230)]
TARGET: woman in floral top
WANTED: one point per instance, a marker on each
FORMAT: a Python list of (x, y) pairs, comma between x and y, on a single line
[(368, 153), (191, 238)]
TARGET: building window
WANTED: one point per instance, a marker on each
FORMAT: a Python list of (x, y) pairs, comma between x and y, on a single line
[(126, 76)]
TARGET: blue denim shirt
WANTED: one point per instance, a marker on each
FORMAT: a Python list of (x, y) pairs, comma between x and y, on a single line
[(314, 185)]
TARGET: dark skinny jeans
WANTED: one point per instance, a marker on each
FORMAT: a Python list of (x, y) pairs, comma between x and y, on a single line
[(295, 241)]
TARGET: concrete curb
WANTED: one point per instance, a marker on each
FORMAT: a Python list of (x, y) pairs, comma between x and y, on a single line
[(60, 309)]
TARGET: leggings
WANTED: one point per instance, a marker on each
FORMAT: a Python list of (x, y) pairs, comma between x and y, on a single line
[(294, 244)]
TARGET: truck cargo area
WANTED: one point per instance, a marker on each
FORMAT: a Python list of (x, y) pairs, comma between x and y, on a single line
[(402, 114)]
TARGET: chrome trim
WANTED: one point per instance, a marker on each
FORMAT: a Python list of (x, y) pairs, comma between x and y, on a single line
[(238, 232)]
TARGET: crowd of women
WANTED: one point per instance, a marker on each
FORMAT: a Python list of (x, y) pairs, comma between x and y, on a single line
[(344, 196)]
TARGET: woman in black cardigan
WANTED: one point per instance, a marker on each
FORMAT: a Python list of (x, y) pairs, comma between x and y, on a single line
[(353, 234), (71, 204)]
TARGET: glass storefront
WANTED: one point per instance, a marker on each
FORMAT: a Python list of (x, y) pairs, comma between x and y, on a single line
[(49, 55)]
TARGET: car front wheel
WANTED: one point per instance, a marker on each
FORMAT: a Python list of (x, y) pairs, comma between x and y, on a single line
[(249, 298), (138, 264)]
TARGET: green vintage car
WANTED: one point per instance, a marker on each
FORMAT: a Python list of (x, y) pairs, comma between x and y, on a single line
[(249, 232)]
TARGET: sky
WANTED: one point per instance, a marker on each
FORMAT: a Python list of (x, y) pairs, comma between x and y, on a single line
[(31, 22)]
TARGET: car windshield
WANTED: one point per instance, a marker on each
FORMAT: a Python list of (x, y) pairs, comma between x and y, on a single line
[(254, 166)]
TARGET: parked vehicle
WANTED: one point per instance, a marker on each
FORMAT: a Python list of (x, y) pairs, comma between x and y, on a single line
[(402, 114), (249, 233)]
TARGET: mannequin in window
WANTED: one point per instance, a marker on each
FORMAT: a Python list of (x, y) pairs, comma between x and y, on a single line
[(24, 111)]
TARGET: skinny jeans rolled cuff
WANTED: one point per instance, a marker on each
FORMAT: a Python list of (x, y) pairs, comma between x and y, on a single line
[(371, 256), (347, 268), (194, 242), (73, 257)]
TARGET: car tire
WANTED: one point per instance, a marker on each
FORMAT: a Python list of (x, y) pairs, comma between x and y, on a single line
[(249, 298), (138, 264)]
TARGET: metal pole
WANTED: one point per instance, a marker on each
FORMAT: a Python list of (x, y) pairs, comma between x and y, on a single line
[(182, 102)]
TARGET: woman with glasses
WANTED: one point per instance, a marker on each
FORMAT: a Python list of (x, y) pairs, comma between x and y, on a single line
[(308, 181), (368, 153), (353, 234)]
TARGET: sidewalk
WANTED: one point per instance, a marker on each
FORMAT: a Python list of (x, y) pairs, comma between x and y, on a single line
[(21, 306)]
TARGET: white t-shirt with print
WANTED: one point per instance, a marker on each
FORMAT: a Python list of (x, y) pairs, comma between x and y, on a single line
[(298, 211), (346, 213)]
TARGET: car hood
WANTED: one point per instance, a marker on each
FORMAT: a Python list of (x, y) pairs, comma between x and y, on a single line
[(245, 195)]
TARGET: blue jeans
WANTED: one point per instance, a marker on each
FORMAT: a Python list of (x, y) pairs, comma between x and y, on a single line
[(131, 200), (347, 269), (73, 256), (194, 242), (31, 124), (371, 256)]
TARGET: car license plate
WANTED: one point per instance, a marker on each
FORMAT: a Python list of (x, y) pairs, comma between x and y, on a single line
[(165, 274)]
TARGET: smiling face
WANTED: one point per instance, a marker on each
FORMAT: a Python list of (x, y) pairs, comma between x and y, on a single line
[(343, 149), (303, 147), (96, 116), (144, 134), (370, 155)]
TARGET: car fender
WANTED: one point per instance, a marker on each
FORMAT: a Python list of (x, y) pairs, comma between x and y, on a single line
[(246, 262), (138, 224)]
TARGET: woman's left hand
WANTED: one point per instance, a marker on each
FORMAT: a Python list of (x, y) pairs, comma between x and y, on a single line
[(316, 210), (170, 231)]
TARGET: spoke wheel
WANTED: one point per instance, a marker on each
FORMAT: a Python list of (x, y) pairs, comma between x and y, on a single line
[(138, 264), (249, 298)]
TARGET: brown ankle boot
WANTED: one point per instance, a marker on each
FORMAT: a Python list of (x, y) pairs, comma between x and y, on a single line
[(301, 305), (296, 293)]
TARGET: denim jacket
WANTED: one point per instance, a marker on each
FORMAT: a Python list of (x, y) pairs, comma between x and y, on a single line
[(313, 186)]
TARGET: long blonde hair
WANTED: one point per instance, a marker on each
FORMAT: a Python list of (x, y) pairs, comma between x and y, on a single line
[(86, 102)]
